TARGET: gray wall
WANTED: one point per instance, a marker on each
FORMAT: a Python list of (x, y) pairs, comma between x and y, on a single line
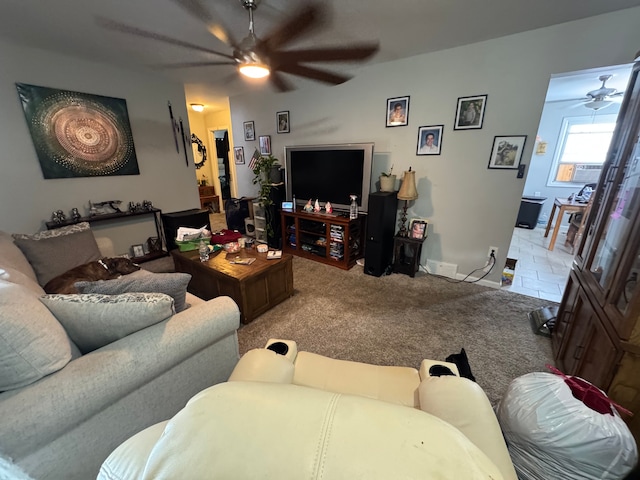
[(469, 206), (27, 199)]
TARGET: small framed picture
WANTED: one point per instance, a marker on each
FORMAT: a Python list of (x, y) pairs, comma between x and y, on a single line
[(265, 145), (398, 111), (282, 119), (470, 112), (429, 140), (239, 155), (418, 228), (249, 131), (507, 152), (137, 250)]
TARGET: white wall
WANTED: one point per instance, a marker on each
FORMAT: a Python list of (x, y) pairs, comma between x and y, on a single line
[(470, 207), (27, 199)]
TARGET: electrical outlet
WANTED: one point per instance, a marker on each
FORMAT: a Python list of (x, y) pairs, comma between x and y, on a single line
[(494, 250)]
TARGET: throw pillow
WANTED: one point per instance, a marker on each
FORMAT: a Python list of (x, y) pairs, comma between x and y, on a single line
[(32, 343), (54, 252), (173, 284), (95, 320)]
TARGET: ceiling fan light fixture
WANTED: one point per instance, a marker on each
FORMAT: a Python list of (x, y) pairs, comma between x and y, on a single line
[(197, 107), (254, 70), (597, 104)]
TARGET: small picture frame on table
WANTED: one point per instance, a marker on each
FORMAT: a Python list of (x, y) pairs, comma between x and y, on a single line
[(470, 112), (249, 131), (265, 145), (137, 250), (418, 228), (282, 119), (507, 152), (239, 155), (397, 112)]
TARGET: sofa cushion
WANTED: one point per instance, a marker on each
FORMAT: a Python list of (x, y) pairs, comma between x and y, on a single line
[(53, 252), (95, 320), (32, 343), (173, 284), (12, 257)]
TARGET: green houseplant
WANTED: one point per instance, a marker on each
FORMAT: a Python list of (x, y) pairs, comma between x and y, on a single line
[(387, 181), (262, 177)]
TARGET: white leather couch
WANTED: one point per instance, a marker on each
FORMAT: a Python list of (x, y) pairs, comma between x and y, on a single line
[(300, 415)]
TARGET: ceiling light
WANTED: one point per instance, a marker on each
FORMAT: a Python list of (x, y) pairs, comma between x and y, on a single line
[(597, 104), (197, 107), (254, 70)]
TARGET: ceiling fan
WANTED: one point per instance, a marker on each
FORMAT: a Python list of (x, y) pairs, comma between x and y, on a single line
[(258, 57), (601, 97)]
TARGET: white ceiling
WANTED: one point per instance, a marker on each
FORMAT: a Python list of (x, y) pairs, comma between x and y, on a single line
[(403, 28)]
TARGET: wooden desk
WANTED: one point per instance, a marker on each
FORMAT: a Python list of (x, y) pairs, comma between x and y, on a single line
[(563, 206)]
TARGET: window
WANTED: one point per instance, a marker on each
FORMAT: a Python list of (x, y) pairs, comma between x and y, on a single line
[(582, 149)]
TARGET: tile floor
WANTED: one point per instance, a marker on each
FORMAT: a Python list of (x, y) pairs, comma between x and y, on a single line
[(539, 272)]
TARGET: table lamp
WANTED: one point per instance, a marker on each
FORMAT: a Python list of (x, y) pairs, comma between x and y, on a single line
[(408, 191)]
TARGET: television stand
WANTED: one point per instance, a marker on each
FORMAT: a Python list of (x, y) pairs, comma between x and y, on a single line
[(325, 238)]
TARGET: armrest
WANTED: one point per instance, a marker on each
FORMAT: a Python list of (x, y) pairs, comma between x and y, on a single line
[(463, 404), (262, 365), (47, 408)]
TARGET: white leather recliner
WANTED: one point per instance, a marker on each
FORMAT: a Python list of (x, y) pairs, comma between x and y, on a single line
[(301, 415)]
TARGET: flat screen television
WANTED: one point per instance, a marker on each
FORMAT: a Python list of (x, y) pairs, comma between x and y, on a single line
[(329, 173)]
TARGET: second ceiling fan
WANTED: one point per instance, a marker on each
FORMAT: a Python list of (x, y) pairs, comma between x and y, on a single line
[(258, 57)]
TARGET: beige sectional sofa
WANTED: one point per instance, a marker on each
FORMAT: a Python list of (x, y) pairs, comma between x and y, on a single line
[(61, 411)]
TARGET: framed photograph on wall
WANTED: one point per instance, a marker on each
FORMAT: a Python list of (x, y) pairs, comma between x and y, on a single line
[(429, 140), (239, 155), (265, 145), (249, 131), (470, 112), (282, 119), (398, 111), (507, 152), (418, 228)]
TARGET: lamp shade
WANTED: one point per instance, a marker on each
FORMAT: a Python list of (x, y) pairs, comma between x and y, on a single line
[(408, 190)]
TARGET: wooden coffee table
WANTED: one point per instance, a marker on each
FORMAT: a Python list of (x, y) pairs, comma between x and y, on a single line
[(255, 288)]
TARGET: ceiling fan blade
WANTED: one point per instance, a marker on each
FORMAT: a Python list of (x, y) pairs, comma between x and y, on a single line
[(121, 27), (302, 21), (281, 83), (192, 64), (197, 10), (315, 74), (328, 54)]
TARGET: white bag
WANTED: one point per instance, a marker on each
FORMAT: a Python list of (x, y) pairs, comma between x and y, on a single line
[(553, 435)]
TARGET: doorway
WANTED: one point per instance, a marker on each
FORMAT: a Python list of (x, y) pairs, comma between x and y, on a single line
[(222, 168), (541, 272)]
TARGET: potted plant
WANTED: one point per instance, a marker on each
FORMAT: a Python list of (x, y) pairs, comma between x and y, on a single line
[(387, 181), (262, 177)]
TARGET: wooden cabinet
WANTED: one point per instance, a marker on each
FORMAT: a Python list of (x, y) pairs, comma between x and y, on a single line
[(597, 332), (209, 199), (327, 238)]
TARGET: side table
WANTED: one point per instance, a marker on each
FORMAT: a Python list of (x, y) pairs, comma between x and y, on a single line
[(406, 255)]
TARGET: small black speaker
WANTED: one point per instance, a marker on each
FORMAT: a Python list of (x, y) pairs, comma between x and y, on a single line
[(381, 223)]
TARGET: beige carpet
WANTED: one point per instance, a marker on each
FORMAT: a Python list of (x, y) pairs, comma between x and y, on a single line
[(399, 320)]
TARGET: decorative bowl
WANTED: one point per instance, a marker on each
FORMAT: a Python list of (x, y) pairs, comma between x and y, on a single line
[(232, 247)]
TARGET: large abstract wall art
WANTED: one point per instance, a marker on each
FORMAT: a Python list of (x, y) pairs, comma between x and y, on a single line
[(78, 134)]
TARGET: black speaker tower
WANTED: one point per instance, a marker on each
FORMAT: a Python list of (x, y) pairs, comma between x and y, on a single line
[(381, 224)]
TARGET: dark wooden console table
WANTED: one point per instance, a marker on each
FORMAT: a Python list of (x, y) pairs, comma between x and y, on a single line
[(116, 216)]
